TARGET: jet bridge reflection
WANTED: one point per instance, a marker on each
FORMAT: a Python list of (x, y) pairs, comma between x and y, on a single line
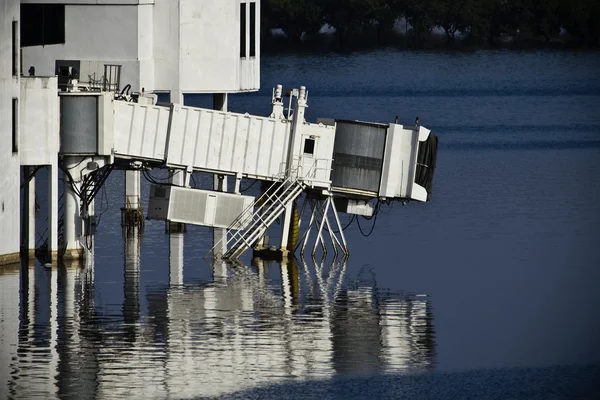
[(241, 330)]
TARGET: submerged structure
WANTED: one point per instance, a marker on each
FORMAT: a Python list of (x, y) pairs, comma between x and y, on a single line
[(116, 78)]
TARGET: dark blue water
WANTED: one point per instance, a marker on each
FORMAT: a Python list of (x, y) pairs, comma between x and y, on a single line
[(488, 291)]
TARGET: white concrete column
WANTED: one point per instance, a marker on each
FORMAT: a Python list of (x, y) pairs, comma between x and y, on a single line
[(132, 189), (28, 215), (285, 228), (176, 258), (220, 181), (72, 219), (52, 209)]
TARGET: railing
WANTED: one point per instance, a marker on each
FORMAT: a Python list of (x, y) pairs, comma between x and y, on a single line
[(112, 78), (280, 191)]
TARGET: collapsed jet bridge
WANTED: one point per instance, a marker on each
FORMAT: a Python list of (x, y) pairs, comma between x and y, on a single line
[(351, 162)]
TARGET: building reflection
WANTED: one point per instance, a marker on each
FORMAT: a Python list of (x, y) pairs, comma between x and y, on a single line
[(241, 330)]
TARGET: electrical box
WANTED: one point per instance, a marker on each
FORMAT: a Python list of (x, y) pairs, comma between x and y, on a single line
[(199, 207)]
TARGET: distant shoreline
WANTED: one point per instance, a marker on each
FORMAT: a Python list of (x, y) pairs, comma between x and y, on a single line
[(328, 43)]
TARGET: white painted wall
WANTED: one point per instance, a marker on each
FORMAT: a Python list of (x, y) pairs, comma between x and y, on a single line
[(96, 35), (210, 47), (9, 161), (182, 46), (38, 141)]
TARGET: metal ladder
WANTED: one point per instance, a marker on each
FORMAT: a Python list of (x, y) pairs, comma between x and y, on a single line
[(270, 206)]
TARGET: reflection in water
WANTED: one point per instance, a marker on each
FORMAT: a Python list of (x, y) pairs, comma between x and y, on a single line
[(239, 331)]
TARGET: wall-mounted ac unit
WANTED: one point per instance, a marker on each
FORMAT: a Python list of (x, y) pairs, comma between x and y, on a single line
[(198, 207)]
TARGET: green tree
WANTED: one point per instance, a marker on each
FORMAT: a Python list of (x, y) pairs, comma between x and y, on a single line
[(296, 17), (546, 18), (420, 17)]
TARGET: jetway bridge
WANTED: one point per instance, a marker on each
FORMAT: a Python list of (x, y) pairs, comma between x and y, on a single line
[(342, 164)]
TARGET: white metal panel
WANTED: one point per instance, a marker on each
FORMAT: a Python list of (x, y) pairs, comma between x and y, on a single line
[(315, 168), (227, 142), (399, 164), (140, 130)]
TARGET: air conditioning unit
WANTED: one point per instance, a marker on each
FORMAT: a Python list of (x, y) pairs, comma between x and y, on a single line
[(199, 207)]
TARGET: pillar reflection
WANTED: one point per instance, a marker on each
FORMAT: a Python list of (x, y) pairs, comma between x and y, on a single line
[(242, 329)]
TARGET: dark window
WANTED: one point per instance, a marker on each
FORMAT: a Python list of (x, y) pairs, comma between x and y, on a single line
[(252, 29), (309, 146), (243, 30), (15, 125), (15, 48), (42, 24)]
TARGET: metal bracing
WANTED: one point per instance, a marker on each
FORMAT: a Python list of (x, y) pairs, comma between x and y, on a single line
[(319, 219), (92, 184), (269, 207)]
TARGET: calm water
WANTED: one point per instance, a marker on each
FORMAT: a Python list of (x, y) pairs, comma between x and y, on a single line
[(490, 290)]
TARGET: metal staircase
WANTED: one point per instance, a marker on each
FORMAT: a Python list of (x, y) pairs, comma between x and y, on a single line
[(269, 207), (91, 185)]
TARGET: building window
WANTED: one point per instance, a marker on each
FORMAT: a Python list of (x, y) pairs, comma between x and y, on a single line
[(15, 125), (243, 30), (15, 48), (253, 29), (42, 24), (309, 146)]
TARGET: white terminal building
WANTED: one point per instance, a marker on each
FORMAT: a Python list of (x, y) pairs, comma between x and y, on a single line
[(79, 87)]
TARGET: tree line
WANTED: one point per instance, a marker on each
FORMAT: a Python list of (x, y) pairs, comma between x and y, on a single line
[(479, 22)]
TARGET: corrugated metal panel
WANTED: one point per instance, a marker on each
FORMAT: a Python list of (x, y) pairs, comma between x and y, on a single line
[(140, 130), (78, 124), (196, 206), (227, 142), (358, 155)]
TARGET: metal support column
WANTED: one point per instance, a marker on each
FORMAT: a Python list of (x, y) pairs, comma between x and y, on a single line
[(131, 213), (175, 258)]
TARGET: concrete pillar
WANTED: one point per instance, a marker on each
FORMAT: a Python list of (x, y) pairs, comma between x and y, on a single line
[(53, 210), (132, 189), (220, 181), (131, 212), (72, 220), (28, 217), (285, 229), (176, 177), (176, 258)]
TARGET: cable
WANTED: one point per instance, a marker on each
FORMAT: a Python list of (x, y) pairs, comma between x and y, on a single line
[(374, 217), (30, 177), (71, 180), (102, 198), (252, 184)]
